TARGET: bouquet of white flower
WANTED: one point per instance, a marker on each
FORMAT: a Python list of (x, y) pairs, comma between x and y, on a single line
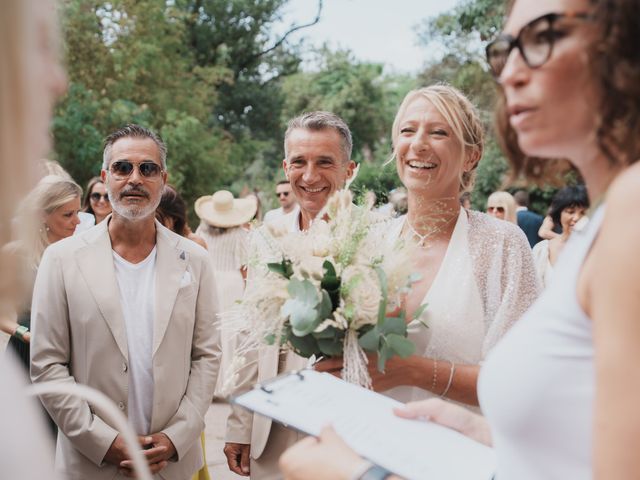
[(336, 291)]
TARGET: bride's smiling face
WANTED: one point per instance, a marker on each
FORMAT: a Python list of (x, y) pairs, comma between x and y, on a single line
[(429, 157)]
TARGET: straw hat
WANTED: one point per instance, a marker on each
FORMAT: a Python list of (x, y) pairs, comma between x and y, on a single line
[(222, 210)]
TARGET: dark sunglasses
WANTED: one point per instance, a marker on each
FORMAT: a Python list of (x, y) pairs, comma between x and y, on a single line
[(123, 168), (534, 41), (286, 194), (95, 196), (497, 209)]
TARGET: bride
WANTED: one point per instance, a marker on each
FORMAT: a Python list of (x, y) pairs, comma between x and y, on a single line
[(477, 273)]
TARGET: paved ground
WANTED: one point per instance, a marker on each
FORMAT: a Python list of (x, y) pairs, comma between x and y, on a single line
[(216, 419)]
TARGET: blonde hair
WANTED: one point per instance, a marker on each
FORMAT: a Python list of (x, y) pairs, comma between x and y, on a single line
[(459, 113), (48, 195), (506, 201)]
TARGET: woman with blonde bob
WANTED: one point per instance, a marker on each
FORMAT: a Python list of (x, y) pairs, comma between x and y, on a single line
[(560, 392), (503, 206), (477, 273)]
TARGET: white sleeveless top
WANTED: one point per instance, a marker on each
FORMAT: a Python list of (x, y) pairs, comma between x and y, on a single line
[(537, 386), (454, 315)]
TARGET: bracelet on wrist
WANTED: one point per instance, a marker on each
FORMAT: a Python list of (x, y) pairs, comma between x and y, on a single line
[(20, 332), (375, 472)]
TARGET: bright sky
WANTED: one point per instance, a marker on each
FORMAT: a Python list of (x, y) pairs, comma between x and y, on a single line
[(374, 30)]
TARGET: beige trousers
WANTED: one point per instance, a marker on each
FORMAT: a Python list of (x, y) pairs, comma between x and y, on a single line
[(266, 467)]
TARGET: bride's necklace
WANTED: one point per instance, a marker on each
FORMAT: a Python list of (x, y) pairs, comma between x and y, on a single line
[(422, 238)]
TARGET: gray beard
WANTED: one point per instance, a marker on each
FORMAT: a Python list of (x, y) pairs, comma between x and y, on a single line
[(133, 212)]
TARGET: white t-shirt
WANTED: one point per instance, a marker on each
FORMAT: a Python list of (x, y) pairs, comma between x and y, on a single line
[(272, 215), (137, 282)]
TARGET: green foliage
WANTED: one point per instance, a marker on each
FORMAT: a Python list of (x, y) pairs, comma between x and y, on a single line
[(301, 306)]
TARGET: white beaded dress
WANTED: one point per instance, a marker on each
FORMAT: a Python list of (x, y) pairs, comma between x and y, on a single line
[(486, 281)]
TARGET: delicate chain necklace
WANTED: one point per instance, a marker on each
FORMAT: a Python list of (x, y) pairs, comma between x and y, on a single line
[(422, 239)]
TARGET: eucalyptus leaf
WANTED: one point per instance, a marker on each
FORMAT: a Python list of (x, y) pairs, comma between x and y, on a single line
[(283, 268), (325, 307), (331, 346), (382, 308), (304, 346), (395, 325), (419, 311), (370, 340), (301, 307), (400, 345), (384, 354)]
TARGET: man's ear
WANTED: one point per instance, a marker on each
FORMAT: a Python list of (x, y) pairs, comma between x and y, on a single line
[(350, 169), (284, 167), (103, 175)]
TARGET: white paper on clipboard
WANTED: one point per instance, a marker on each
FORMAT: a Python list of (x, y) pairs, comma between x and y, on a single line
[(417, 450)]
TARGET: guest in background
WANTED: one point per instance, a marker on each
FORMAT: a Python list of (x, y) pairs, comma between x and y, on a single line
[(172, 213), (568, 207), (96, 200), (502, 205), (530, 222), (288, 203), (222, 226), (48, 214)]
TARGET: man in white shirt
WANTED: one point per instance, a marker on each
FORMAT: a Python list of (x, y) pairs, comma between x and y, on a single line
[(129, 309), (287, 201), (317, 163)]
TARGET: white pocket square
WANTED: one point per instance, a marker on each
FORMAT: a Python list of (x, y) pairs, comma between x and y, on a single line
[(186, 279)]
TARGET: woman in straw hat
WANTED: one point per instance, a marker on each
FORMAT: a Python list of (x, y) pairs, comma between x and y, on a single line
[(223, 220)]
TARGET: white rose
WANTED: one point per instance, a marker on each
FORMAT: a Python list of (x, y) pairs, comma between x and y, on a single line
[(363, 294)]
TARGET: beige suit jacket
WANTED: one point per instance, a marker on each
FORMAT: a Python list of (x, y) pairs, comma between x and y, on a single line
[(262, 364), (79, 336)]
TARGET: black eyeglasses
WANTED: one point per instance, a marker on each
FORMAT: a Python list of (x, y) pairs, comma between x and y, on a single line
[(95, 196), (534, 41), (123, 168), (286, 194)]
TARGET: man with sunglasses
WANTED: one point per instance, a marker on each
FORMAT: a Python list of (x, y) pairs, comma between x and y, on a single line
[(128, 308), (288, 204)]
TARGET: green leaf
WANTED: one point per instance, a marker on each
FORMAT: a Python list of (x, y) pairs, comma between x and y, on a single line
[(395, 325), (325, 307), (301, 307), (382, 308), (270, 339), (419, 311), (282, 268), (304, 346), (331, 346), (370, 340), (329, 269), (400, 345), (384, 354)]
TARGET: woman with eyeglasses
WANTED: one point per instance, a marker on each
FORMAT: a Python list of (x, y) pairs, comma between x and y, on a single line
[(560, 392), (502, 205), (96, 200)]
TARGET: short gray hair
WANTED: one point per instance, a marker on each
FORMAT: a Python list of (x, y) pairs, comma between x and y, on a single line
[(134, 131), (321, 120)]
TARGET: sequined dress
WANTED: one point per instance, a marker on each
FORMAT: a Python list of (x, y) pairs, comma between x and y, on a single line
[(486, 281)]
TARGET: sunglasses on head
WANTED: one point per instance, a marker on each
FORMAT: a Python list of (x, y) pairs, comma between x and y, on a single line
[(534, 41), (124, 168), (95, 196), (286, 194)]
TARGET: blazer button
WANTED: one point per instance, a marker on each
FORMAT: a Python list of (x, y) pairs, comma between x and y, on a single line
[(124, 367), (121, 405)]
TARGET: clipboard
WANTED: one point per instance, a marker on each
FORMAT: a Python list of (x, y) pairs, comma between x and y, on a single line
[(307, 400)]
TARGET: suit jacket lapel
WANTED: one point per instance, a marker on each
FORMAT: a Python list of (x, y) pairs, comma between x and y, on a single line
[(171, 264), (95, 262)]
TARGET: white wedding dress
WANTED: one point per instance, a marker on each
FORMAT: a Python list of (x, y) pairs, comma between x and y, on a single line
[(455, 314)]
